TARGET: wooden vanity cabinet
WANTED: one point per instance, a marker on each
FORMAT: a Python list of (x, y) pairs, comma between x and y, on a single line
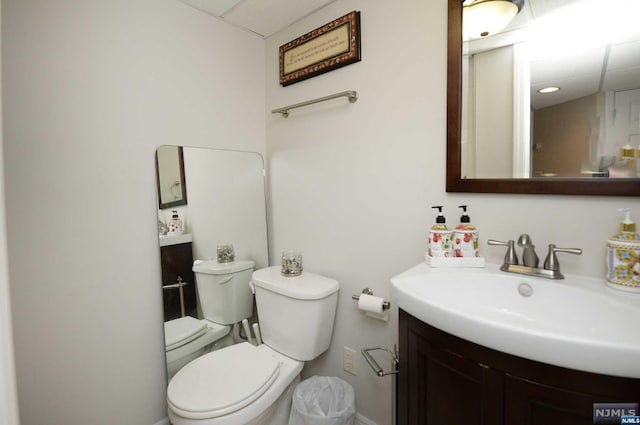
[(177, 262), (445, 380)]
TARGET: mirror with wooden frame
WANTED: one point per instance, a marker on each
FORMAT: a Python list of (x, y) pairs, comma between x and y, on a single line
[(172, 189), (460, 180)]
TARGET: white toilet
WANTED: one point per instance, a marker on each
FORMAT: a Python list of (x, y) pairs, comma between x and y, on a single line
[(225, 299), (253, 385)]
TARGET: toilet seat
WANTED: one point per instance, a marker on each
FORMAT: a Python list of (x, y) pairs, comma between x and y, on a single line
[(180, 331), (222, 382)]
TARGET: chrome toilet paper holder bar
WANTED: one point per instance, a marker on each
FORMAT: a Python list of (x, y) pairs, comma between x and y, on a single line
[(374, 364), (386, 305)]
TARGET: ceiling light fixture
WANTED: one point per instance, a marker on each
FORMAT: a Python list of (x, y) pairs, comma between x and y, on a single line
[(483, 18), (549, 90)]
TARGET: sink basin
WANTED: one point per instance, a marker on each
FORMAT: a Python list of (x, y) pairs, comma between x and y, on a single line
[(577, 323)]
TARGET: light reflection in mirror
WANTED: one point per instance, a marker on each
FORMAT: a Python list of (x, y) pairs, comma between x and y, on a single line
[(509, 130)]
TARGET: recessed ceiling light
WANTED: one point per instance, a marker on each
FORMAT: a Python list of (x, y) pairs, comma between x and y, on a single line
[(548, 90)]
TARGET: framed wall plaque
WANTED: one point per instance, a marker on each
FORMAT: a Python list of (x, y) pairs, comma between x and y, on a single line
[(324, 49)]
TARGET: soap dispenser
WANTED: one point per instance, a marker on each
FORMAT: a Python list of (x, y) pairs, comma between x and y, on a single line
[(175, 224), (465, 237), (440, 237), (623, 256)]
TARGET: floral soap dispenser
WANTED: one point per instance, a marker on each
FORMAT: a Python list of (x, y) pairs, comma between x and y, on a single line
[(623, 256), (440, 237), (465, 237)]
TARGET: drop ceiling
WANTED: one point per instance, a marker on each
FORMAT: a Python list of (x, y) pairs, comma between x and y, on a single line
[(578, 73), (263, 17)]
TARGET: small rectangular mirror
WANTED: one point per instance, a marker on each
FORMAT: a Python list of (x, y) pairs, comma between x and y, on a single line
[(172, 188)]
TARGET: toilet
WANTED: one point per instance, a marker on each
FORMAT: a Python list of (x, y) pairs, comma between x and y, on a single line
[(246, 384), (225, 298)]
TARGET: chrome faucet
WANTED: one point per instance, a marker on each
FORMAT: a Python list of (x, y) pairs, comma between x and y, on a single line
[(530, 259), (529, 256)]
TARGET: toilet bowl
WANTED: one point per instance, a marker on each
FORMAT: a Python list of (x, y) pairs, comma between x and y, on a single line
[(224, 298), (245, 384)]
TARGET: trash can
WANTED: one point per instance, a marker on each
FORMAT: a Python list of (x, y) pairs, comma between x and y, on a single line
[(323, 400)]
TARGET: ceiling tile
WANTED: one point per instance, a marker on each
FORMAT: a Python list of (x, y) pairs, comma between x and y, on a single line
[(622, 79), (624, 55), (268, 17), (213, 7), (570, 64)]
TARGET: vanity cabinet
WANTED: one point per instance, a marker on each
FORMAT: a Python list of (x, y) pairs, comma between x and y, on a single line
[(447, 380), (177, 263)]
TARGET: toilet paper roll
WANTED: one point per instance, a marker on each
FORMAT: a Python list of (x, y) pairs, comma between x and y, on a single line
[(370, 303)]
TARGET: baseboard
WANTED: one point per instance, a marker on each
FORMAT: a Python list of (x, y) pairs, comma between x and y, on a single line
[(363, 420), (164, 421)]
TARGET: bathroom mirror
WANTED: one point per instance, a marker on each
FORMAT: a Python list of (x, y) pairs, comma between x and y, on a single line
[(460, 153), (227, 205), (172, 190)]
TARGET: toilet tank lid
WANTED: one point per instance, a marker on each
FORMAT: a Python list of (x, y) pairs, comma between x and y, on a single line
[(213, 267), (307, 286)]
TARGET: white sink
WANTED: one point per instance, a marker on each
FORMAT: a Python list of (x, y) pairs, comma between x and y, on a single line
[(578, 322)]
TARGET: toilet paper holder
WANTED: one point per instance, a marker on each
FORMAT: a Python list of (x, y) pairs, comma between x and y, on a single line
[(386, 305)]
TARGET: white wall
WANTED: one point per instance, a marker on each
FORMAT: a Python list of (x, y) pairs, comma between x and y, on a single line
[(91, 89), (494, 104), (352, 184), (8, 396), (226, 195)]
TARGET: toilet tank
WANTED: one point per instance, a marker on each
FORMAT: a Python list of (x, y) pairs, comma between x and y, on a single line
[(296, 313), (223, 290)]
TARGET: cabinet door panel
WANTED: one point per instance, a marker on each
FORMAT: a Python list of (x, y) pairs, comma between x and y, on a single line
[(536, 404), (177, 261), (447, 388), (454, 390)]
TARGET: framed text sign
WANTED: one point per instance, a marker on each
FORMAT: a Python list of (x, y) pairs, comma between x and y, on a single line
[(324, 49)]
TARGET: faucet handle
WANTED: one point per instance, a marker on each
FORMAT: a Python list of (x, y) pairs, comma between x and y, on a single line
[(510, 257), (551, 262)]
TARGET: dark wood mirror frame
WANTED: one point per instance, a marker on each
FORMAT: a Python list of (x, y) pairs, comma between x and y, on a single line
[(183, 184), (547, 185)]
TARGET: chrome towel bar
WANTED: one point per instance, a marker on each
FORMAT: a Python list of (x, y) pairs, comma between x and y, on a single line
[(374, 364), (179, 286), (351, 94)]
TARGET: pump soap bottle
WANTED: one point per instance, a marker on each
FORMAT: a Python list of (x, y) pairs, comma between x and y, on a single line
[(175, 224), (465, 237), (440, 237), (623, 256)]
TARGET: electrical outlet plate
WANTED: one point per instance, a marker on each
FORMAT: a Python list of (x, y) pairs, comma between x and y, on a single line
[(349, 360)]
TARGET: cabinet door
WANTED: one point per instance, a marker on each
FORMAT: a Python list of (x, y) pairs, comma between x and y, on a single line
[(177, 262), (439, 386), (532, 403)]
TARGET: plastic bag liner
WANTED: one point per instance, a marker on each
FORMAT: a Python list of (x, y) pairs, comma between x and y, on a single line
[(323, 400)]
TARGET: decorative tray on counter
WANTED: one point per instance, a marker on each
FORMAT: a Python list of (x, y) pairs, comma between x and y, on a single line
[(454, 261)]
